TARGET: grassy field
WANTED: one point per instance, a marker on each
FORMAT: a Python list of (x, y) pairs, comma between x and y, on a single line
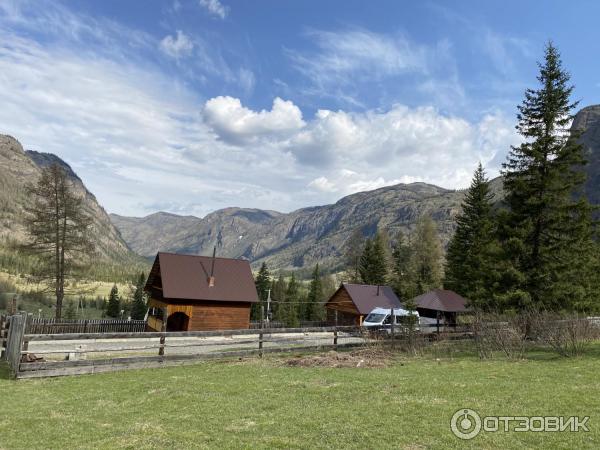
[(267, 404)]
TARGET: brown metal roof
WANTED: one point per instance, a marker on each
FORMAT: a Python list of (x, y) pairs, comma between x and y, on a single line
[(186, 277), (365, 298), (441, 300)]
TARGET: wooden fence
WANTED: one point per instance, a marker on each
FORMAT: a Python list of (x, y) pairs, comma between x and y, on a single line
[(49, 355), (274, 324), (61, 326), (3, 335)]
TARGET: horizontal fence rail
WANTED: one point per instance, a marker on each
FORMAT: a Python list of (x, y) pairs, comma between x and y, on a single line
[(46, 355), (62, 326)]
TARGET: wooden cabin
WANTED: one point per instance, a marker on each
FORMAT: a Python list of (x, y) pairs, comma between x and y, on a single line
[(195, 293), (440, 304), (353, 302)]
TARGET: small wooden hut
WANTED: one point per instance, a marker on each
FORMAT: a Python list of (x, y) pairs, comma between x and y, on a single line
[(194, 293), (351, 303), (441, 304)]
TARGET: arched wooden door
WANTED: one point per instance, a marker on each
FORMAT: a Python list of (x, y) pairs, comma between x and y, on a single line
[(178, 322)]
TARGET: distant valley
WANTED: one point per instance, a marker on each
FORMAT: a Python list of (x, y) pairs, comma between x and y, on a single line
[(295, 240)]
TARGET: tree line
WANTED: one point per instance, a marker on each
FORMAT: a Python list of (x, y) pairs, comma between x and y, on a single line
[(291, 301)]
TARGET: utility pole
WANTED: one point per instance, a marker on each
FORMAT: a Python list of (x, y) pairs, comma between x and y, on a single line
[(268, 304)]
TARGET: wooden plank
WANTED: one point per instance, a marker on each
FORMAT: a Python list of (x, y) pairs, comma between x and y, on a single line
[(170, 334), (14, 343), (62, 368)]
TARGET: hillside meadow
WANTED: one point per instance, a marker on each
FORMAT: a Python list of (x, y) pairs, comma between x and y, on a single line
[(89, 289), (268, 403)]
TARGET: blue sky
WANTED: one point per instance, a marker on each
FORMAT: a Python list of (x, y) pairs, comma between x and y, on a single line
[(190, 106)]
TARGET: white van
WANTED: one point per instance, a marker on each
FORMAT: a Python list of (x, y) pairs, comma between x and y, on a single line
[(379, 319)]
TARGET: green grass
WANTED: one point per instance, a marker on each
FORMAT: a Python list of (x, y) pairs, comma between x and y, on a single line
[(264, 404)]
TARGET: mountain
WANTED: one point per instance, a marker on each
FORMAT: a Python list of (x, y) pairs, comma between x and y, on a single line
[(588, 121), (318, 234), (298, 239), (18, 168)]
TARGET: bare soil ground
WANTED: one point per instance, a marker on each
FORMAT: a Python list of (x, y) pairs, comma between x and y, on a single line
[(358, 358)]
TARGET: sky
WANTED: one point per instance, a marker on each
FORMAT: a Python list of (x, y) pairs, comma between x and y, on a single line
[(189, 106)]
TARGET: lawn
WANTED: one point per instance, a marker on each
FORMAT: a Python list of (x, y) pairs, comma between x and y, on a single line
[(266, 404)]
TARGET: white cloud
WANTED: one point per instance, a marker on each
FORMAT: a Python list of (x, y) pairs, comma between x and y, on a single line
[(215, 8), (385, 147), (177, 47), (344, 56), (235, 123), (141, 140)]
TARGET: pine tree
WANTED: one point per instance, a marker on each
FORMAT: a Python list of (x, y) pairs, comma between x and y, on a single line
[(70, 311), (263, 284), (113, 309), (314, 309), (354, 249), (279, 298), (292, 297), (402, 276), (470, 259), (426, 256), (373, 262), (547, 234), (138, 306)]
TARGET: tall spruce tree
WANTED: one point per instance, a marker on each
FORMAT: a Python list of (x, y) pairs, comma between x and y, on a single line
[(470, 256), (547, 233), (291, 305), (354, 249), (279, 297), (402, 276), (113, 309), (373, 262), (263, 284), (314, 309), (426, 257), (138, 306)]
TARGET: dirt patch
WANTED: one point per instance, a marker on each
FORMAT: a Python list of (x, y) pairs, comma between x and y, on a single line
[(358, 358)]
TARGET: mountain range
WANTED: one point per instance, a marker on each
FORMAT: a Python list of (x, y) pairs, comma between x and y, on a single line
[(18, 168), (295, 240)]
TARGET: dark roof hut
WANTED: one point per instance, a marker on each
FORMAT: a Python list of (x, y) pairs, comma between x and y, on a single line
[(353, 302)]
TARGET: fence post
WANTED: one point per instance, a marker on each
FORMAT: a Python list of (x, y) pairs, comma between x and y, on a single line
[(335, 331), (392, 331), (262, 326), (28, 319), (3, 336), (161, 350), (14, 344)]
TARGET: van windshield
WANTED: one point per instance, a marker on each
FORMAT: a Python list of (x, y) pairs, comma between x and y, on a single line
[(375, 318)]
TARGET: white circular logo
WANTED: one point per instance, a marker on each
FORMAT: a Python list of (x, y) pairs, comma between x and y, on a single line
[(465, 424)]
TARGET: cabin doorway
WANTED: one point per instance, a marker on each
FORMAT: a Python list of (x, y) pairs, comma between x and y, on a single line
[(178, 322)]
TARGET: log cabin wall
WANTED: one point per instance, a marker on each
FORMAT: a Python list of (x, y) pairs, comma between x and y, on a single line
[(347, 312), (220, 316), (208, 315)]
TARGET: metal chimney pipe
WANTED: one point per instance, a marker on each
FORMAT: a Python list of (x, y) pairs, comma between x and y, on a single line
[(211, 278)]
